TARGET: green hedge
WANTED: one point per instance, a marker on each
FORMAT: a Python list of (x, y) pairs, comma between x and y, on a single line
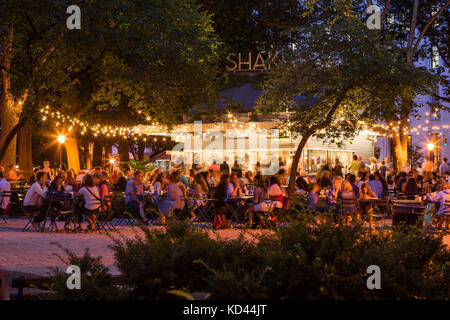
[(302, 261)]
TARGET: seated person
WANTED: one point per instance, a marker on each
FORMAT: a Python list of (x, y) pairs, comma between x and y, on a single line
[(89, 193), (35, 200), (176, 196), (313, 198), (234, 188), (347, 193), (221, 192), (365, 207), (443, 214), (276, 192), (4, 186), (134, 196)]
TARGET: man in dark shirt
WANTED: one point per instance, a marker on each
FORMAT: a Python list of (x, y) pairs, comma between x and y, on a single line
[(224, 167), (352, 180)]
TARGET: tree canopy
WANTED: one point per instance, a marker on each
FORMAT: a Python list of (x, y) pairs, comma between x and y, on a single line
[(340, 75), (152, 56)]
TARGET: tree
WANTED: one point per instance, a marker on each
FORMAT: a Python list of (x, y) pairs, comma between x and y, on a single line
[(412, 25), (152, 56), (341, 75)]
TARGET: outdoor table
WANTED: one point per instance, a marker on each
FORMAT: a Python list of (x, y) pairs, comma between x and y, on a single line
[(408, 212), (237, 210), (204, 209)]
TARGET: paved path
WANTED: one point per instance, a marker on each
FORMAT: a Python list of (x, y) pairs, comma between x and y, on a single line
[(31, 253)]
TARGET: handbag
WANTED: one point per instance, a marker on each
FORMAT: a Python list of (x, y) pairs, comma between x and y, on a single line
[(220, 220)]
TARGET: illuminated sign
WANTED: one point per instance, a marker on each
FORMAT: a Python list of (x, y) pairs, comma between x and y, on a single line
[(246, 64)]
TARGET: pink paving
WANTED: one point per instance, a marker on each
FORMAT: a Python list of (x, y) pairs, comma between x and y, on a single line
[(31, 253)]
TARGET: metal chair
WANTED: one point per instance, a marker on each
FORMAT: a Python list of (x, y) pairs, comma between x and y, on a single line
[(3, 196), (105, 216), (60, 205)]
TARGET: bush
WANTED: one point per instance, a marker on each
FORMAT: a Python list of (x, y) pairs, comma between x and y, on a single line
[(305, 260), (96, 282)]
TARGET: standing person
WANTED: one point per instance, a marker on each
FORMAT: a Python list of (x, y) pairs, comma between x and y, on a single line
[(236, 167), (214, 167), (224, 167), (258, 168), (47, 169), (89, 193), (362, 165), (444, 167), (4, 186), (134, 196), (373, 166), (337, 169), (383, 169), (353, 168), (36, 196), (428, 168)]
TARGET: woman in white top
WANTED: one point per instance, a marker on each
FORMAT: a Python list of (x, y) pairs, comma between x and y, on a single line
[(89, 193)]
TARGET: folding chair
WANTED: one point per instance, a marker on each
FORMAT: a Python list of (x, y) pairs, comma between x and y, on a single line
[(347, 207), (16, 197), (38, 227), (266, 216), (381, 209), (205, 214), (120, 210), (60, 205), (105, 216)]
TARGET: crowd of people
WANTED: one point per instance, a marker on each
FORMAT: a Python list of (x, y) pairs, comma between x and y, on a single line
[(380, 181), (177, 190)]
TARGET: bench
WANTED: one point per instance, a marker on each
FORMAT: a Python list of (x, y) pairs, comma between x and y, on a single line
[(45, 283)]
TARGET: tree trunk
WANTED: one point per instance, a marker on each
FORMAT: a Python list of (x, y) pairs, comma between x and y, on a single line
[(97, 155), (295, 161), (25, 151), (124, 151), (73, 157), (401, 150), (141, 150), (401, 142), (86, 156)]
